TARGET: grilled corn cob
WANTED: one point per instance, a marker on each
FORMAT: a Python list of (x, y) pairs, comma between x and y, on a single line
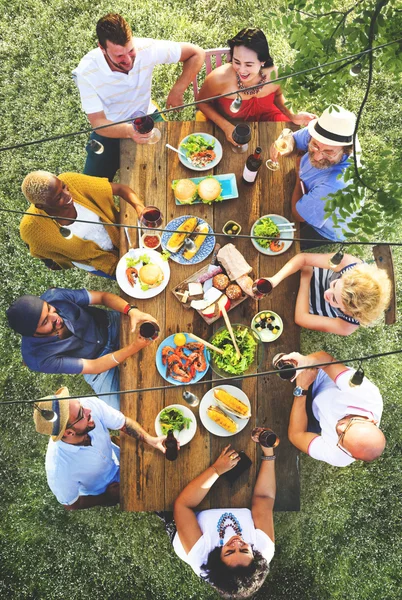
[(177, 239), (222, 419), (198, 241), (232, 404)]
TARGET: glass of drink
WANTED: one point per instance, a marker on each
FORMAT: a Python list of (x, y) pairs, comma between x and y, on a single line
[(262, 287), (151, 217), (285, 367), (144, 125), (266, 437), (284, 145), (149, 330), (241, 135)]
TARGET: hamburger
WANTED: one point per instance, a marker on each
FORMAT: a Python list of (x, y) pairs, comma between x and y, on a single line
[(209, 189), (185, 191), (151, 275)]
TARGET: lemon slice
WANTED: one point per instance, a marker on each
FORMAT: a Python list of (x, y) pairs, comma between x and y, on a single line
[(179, 339)]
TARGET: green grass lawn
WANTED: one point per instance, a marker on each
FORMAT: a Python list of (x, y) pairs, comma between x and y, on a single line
[(345, 541)]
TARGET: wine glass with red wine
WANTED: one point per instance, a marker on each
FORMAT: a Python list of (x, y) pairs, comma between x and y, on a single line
[(149, 330), (151, 217), (261, 287), (144, 125)]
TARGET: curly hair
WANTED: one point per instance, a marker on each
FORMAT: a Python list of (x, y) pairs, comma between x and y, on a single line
[(113, 28), (235, 583), (255, 40), (35, 186), (366, 293)]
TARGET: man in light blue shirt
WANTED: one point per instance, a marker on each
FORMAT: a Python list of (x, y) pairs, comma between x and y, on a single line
[(328, 144), (82, 463)]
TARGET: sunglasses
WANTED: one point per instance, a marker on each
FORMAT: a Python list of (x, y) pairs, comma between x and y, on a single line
[(80, 416), (326, 153), (348, 426)]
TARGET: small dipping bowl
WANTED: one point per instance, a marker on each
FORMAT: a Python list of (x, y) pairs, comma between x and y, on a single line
[(153, 242), (266, 335), (228, 226)]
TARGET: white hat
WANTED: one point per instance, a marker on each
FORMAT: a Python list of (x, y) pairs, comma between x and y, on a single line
[(335, 127)]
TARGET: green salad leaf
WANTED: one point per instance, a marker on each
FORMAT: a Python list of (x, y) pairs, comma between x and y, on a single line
[(265, 226), (228, 361), (173, 418), (197, 143)]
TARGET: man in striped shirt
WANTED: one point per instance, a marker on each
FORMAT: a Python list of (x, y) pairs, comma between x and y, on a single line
[(115, 81)]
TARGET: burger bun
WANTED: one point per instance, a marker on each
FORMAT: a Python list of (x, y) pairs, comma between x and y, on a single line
[(185, 191), (209, 189), (151, 275)]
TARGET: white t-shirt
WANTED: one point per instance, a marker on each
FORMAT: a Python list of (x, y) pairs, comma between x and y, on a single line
[(87, 231), (120, 95), (333, 400), (208, 522), (74, 471)]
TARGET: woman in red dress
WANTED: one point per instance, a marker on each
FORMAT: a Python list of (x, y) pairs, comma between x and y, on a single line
[(251, 64)]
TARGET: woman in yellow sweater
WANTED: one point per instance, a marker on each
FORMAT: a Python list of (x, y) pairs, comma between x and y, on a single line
[(74, 196)]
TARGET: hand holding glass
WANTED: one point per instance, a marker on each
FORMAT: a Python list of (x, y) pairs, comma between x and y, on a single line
[(144, 125), (283, 145)]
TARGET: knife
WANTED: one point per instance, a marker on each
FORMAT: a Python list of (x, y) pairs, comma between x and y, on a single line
[(214, 254)]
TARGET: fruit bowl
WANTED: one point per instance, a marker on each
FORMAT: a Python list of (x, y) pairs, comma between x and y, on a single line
[(250, 346)]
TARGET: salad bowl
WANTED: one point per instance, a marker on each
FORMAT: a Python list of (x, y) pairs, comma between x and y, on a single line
[(250, 346), (286, 233), (191, 143)]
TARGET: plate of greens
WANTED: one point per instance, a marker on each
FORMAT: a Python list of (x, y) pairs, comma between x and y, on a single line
[(203, 151), (179, 418), (268, 226), (250, 346), (130, 269)]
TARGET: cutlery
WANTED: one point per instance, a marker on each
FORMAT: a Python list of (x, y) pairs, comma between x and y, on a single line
[(176, 150), (230, 329), (207, 344)]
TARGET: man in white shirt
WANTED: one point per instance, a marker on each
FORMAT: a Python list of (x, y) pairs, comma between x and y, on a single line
[(82, 463), (115, 82), (348, 416)]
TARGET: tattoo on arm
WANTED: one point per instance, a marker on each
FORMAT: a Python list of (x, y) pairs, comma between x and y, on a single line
[(133, 429)]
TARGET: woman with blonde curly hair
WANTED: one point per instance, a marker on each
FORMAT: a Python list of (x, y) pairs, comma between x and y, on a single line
[(337, 300)]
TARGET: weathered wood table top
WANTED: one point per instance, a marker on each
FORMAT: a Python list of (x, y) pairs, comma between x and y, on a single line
[(148, 481)]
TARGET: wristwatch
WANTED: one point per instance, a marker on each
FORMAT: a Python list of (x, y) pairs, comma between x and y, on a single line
[(298, 391)]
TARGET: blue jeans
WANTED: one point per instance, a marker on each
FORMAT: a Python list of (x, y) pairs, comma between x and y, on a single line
[(108, 381)]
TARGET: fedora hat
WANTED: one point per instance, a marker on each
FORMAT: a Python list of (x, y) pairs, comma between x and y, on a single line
[(335, 127), (56, 428)]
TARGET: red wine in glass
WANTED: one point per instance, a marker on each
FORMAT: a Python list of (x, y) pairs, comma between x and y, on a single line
[(266, 437), (262, 287), (149, 330), (143, 125), (286, 368), (151, 217)]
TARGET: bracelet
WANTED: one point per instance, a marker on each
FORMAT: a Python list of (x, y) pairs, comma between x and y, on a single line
[(273, 457), (128, 307), (115, 359), (215, 469)]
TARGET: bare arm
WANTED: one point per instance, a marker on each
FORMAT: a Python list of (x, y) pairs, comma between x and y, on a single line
[(125, 192), (109, 498), (309, 260), (192, 58), (213, 86), (262, 503), (187, 525), (108, 361), (134, 430), (297, 430)]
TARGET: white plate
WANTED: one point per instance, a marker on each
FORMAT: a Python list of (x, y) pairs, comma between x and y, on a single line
[(136, 291), (277, 219), (266, 335), (217, 149), (185, 435), (209, 400)]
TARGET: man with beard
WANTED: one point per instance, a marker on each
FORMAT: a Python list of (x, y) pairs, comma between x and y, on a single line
[(115, 81), (62, 332), (328, 144), (82, 463)]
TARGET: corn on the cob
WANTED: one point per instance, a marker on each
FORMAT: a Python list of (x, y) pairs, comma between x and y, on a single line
[(222, 419), (177, 239), (198, 241), (229, 402)]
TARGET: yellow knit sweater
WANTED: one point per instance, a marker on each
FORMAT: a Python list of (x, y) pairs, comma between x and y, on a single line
[(45, 240)]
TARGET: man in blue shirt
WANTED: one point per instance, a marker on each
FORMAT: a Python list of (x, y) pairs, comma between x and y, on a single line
[(328, 144), (82, 463), (63, 333)]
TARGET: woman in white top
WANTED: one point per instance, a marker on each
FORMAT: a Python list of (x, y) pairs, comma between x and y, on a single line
[(230, 548)]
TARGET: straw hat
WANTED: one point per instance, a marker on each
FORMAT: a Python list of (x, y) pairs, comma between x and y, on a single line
[(335, 127), (56, 428)]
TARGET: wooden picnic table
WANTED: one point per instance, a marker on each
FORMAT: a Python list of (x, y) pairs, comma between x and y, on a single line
[(148, 481)]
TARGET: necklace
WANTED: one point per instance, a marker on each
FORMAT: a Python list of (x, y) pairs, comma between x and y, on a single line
[(255, 90), (227, 520)]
